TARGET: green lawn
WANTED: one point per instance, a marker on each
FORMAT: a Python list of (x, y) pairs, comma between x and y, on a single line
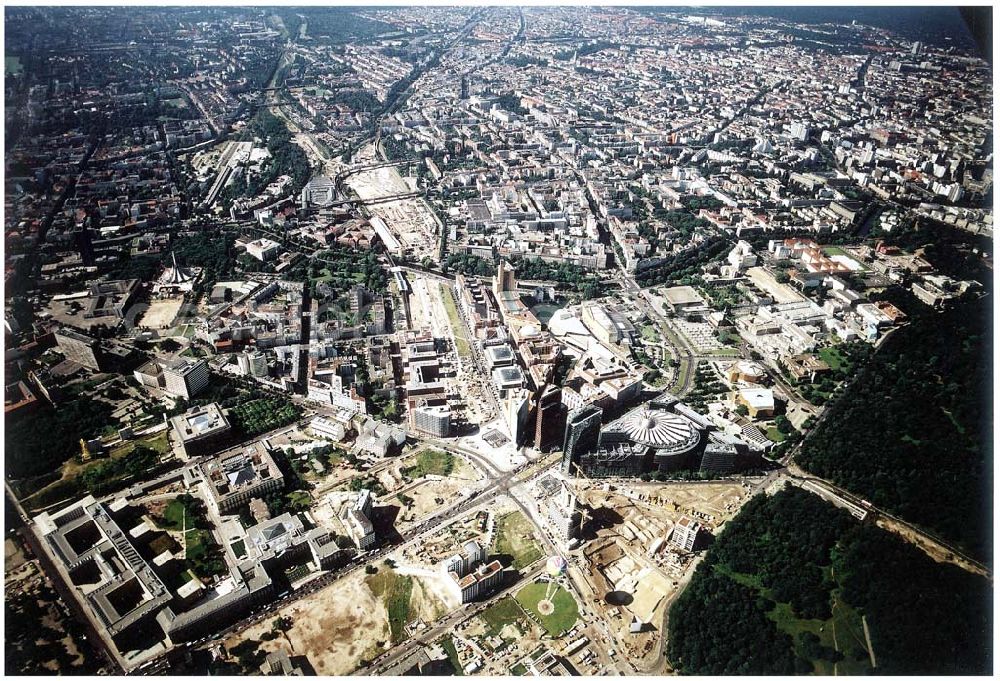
[(431, 462), (296, 572), (752, 581), (175, 517), (682, 373), (850, 639), (832, 356), (448, 644), (13, 66), (299, 500), (518, 670), (831, 251), (202, 555), (394, 590), (515, 538), (775, 435), (649, 333), (566, 609), (462, 347), (158, 443), (500, 614), (179, 579), (324, 277), (198, 543), (843, 632)]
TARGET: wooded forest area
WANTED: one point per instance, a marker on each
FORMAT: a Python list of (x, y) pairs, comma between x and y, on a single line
[(790, 571), (913, 432)]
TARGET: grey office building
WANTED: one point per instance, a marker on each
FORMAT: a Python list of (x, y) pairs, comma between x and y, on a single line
[(81, 348)]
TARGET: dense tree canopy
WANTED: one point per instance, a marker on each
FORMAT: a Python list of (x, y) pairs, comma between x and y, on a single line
[(42, 443), (925, 617), (720, 627), (794, 548), (210, 249), (287, 158), (688, 263), (566, 274), (786, 543), (466, 263), (913, 433)]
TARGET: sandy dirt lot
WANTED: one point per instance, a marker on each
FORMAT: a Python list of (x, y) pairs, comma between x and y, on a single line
[(439, 545), (428, 497), (13, 556), (161, 313), (429, 601), (608, 568), (627, 523), (335, 628), (371, 184), (392, 478), (429, 310), (718, 501), (710, 503)]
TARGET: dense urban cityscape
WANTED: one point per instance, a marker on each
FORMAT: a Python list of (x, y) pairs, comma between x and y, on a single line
[(498, 341)]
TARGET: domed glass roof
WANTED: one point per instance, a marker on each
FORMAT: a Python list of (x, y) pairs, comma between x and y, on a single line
[(659, 429)]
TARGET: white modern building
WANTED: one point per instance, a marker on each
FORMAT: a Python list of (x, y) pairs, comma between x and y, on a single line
[(685, 534), (432, 419), (263, 249), (328, 428), (464, 579), (563, 511), (252, 364), (357, 520)]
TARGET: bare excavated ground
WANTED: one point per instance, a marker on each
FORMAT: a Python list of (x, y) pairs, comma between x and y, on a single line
[(161, 313), (334, 628)]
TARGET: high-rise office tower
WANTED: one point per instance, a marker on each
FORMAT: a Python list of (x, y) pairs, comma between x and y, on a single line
[(583, 430)]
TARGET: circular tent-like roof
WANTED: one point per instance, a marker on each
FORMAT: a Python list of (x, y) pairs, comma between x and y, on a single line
[(660, 429), (749, 368)]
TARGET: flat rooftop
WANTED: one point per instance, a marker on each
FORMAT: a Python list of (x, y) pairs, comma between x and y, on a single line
[(683, 295), (200, 422)]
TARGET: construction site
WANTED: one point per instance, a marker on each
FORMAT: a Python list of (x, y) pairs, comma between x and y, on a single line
[(422, 484), (409, 220), (434, 308), (335, 628), (635, 559), (434, 548)]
